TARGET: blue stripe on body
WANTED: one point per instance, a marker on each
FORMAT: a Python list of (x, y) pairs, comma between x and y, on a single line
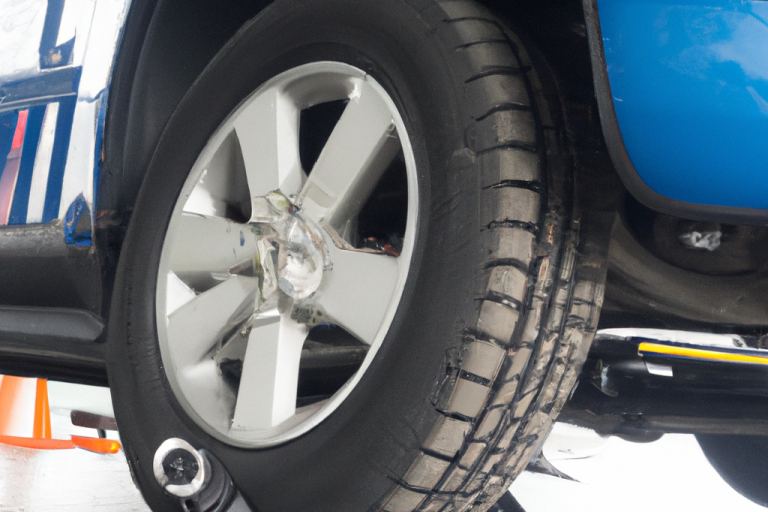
[(24, 178), (7, 129), (59, 158)]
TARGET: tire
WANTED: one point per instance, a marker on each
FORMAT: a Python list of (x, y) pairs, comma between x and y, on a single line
[(493, 323), (741, 461)]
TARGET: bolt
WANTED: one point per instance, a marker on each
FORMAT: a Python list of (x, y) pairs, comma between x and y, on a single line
[(180, 469)]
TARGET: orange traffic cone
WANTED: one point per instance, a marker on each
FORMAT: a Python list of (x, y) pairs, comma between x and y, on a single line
[(13, 403)]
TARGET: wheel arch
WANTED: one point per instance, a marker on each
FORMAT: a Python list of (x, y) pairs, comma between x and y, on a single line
[(165, 46)]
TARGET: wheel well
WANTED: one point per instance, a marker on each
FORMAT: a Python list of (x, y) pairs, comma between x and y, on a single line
[(166, 44), (165, 47)]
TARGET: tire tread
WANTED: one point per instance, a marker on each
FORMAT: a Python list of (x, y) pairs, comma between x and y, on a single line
[(545, 324)]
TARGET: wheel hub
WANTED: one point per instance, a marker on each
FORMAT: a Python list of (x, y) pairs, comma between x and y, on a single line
[(291, 258)]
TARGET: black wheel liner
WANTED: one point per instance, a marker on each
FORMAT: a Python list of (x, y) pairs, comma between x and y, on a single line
[(367, 454)]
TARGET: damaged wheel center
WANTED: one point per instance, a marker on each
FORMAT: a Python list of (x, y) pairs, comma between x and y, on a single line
[(290, 261)]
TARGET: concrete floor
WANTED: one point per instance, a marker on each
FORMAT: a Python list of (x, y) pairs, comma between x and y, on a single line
[(670, 475), (66, 480)]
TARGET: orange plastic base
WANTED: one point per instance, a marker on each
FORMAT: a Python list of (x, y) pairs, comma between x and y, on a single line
[(92, 444), (96, 444), (38, 443)]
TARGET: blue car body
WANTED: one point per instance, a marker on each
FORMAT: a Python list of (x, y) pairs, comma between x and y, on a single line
[(688, 81)]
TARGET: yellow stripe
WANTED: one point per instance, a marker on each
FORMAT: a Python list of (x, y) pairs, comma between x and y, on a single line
[(695, 353)]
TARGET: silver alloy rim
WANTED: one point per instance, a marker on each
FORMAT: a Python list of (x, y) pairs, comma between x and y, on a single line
[(243, 294)]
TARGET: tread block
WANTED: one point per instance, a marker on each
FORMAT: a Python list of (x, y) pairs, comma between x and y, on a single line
[(589, 293), (497, 321), (403, 500), (509, 164), (532, 322), (466, 31), (454, 481), (447, 436), (508, 281), (555, 375), (508, 436), (435, 504), (473, 452), (506, 392), (506, 128), (519, 361), (489, 422), (511, 204), (426, 471), (467, 398), (478, 60), (510, 243), (492, 91), (482, 358), (490, 462), (522, 405)]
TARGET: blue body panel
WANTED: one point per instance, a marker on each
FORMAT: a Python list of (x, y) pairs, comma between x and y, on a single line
[(689, 82)]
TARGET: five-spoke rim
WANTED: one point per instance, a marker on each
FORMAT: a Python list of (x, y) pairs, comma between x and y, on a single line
[(268, 286)]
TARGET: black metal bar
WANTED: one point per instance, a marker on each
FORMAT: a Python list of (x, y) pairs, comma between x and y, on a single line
[(617, 395)]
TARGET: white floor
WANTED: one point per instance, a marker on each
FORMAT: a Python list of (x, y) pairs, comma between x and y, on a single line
[(66, 480), (670, 475)]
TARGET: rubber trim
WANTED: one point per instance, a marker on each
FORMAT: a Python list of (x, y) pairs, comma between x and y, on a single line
[(618, 152), (74, 324), (56, 343)]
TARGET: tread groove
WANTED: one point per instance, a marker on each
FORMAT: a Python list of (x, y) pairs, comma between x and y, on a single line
[(464, 46), (505, 107), (535, 186), (530, 227), (503, 299), (499, 71), (514, 144), (471, 18), (437, 455), (471, 377), (508, 262), (479, 336)]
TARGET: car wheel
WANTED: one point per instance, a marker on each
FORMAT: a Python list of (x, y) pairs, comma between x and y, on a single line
[(740, 461), (350, 273)]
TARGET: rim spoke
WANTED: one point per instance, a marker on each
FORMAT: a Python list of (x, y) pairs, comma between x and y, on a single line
[(207, 392), (200, 323), (222, 189), (360, 148), (210, 244), (269, 382), (268, 131), (359, 291)]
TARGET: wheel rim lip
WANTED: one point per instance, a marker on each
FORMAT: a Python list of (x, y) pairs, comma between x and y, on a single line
[(336, 82)]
